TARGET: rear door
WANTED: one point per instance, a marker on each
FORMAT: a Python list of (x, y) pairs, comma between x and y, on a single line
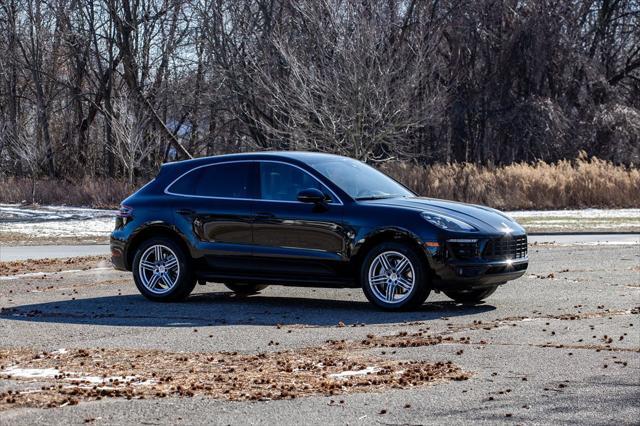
[(219, 211), (291, 238)]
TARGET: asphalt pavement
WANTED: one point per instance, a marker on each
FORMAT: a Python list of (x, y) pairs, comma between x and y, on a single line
[(11, 253), (559, 345)]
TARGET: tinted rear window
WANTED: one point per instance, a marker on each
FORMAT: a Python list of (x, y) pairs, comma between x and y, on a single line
[(228, 180)]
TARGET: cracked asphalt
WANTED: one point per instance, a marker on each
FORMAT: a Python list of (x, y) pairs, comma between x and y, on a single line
[(561, 344)]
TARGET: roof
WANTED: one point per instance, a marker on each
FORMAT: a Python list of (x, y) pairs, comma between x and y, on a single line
[(301, 156)]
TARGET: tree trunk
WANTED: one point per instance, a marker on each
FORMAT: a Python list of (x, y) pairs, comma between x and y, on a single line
[(43, 120), (33, 188)]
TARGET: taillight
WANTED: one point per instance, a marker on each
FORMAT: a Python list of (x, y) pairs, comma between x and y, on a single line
[(125, 212)]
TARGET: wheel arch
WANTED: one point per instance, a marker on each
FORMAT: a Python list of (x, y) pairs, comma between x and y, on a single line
[(379, 236), (153, 230)]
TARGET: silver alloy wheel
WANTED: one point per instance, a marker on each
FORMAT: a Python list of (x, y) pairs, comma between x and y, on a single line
[(391, 277), (159, 269)]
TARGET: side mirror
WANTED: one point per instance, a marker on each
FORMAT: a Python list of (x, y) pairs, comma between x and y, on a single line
[(311, 195)]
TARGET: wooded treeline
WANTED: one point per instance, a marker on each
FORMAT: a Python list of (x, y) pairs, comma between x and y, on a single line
[(115, 87)]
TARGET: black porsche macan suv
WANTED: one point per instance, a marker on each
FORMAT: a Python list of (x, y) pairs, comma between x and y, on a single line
[(309, 219)]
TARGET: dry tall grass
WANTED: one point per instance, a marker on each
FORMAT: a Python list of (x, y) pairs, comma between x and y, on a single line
[(89, 192), (566, 184)]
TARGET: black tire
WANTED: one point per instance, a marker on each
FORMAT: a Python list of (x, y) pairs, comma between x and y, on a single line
[(184, 281), (470, 296), (245, 289), (410, 299)]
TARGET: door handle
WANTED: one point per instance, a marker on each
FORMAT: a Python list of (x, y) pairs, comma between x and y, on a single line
[(186, 212), (264, 215)]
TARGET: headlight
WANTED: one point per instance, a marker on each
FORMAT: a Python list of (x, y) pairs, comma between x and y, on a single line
[(447, 222)]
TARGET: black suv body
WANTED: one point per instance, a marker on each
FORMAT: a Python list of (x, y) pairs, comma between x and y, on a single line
[(309, 219)]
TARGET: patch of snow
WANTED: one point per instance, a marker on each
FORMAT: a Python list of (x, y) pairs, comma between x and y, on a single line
[(30, 391), (56, 221), (608, 243), (39, 274), (96, 380), (351, 373), (582, 213), (13, 277), (569, 225), (578, 220), (66, 228), (31, 373), (39, 373), (14, 212)]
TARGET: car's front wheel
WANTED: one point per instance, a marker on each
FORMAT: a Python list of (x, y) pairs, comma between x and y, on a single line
[(161, 271), (470, 296), (394, 277)]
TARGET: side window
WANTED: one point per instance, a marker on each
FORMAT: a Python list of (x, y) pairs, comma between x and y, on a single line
[(228, 180), (282, 182)]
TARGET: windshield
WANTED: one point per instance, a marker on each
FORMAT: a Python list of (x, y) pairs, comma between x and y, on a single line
[(360, 181)]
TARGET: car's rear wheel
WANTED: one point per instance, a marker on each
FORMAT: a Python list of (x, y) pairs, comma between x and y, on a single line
[(394, 277), (161, 271), (470, 296), (245, 289)]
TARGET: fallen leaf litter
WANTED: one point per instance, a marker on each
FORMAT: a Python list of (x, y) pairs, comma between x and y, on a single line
[(338, 367), (52, 265)]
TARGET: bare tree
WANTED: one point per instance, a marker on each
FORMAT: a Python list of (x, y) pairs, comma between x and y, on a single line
[(348, 85), (130, 133), (423, 81), (136, 29), (28, 150)]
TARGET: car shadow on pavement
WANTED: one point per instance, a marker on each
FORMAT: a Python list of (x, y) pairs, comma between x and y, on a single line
[(225, 308)]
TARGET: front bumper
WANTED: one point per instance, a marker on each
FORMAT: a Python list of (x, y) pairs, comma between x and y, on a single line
[(463, 264), (118, 253), (477, 274)]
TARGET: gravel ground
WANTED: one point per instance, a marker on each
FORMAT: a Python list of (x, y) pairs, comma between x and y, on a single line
[(561, 344)]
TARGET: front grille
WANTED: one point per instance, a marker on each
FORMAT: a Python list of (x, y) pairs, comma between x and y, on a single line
[(506, 248)]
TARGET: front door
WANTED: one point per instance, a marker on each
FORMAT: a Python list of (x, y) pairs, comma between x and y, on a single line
[(291, 238)]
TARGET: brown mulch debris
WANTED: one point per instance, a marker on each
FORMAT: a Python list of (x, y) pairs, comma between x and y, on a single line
[(93, 374), (400, 340), (52, 265), (604, 348)]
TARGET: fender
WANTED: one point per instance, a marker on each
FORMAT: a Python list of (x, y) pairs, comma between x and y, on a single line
[(154, 227), (367, 237)]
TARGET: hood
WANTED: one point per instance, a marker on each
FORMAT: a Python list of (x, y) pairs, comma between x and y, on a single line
[(485, 219)]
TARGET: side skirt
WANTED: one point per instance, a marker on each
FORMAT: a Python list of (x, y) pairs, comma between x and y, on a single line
[(274, 280)]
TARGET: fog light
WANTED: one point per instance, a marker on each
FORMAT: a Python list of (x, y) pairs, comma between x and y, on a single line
[(463, 248)]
